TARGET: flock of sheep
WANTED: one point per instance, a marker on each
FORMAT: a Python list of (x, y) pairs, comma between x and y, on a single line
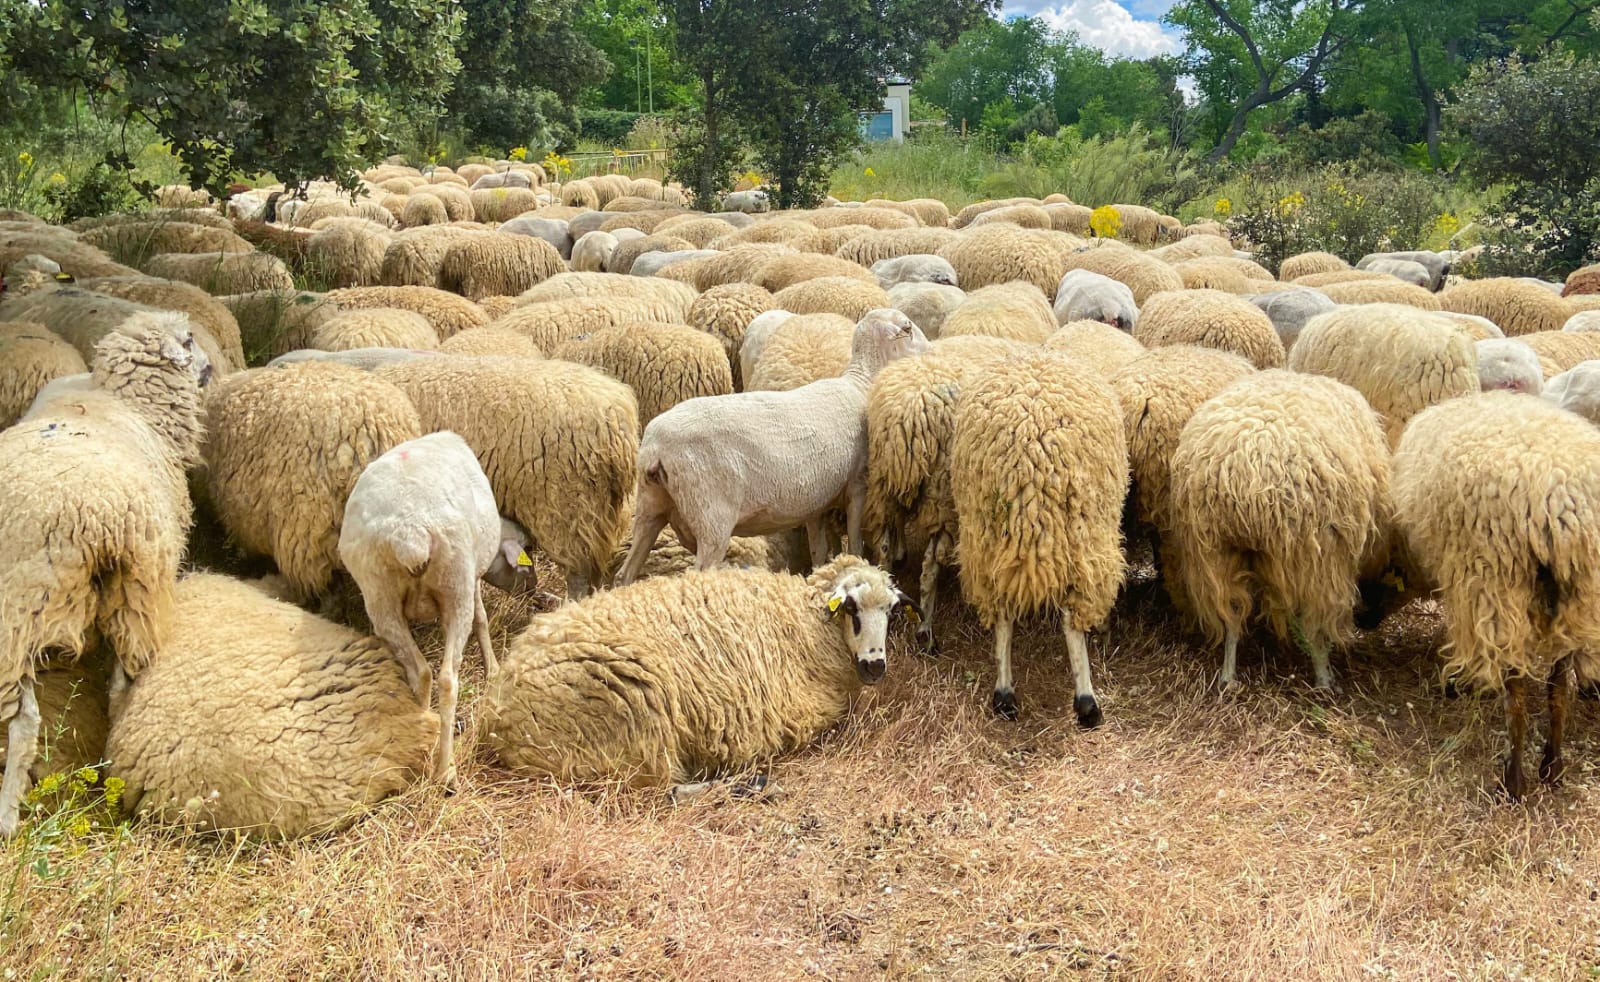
[(503, 367)]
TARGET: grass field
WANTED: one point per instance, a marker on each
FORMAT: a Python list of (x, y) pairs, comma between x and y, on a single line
[(1272, 834)]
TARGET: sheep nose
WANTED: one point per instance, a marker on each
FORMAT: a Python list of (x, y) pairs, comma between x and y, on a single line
[(871, 672)]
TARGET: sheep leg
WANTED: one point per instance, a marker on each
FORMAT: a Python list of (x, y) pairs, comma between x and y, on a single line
[(1513, 780), (1321, 673), (816, 537), (1230, 657), (647, 526), (710, 550), (389, 624), (22, 741), (1005, 694), (1083, 700), (1563, 681), (855, 505), (929, 595), (456, 629), (480, 626), (578, 585)]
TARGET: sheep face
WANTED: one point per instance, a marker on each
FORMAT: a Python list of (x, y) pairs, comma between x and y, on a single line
[(888, 334), (512, 568), (862, 603)]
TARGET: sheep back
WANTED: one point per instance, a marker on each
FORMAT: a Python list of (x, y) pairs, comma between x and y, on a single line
[(1210, 319), (1517, 306), (664, 364)]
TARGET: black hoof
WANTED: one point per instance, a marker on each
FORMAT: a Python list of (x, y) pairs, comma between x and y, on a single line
[(1512, 781), (1552, 768), (751, 787), (1451, 691), (1088, 711), (1005, 704)]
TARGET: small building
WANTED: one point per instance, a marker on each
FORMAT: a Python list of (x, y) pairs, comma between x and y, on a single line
[(889, 123)]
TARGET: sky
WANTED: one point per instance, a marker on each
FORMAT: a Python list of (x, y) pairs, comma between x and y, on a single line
[(1122, 27)]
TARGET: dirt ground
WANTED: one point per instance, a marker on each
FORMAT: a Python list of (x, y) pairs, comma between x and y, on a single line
[(1270, 834)]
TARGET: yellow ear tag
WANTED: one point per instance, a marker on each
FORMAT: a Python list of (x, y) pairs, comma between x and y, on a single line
[(523, 560), (911, 615), (833, 605)]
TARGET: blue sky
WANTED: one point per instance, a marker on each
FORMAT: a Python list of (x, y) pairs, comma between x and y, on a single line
[(1123, 27)]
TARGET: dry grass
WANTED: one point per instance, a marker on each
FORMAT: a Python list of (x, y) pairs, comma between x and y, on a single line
[(1272, 835)]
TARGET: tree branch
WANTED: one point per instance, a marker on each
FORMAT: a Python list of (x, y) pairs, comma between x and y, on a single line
[(1243, 34)]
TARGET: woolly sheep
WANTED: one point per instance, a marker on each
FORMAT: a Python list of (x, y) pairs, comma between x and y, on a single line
[(376, 327), (1279, 484), (283, 448), (1023, 216), (675, 298), (319, 724), (30, 356), (552, 230), (664, 364), (97, 555), (728, 465), (1143, 274), (1194, 247), (873, 247), (653, 263), (1583, 321), (692, 677), (785, 271), (589, 254), (1387, 291), (1477, 328), (74, 257), (1290, 310), (81, 318), (1308, 263), (998, 254), (497, 264), (1400, 359), (366, 359), (914, 268), (760, 331), (1022, 426), (1094, 345), (266, 317), (927, 304), (1435, 267), (490, 341), (1004, 310), (739, 264), (222, 272), (1083, 295), (1582, 281), (927, 211), (725, 312), (966, 215), (558, 442), (802, 350), (1561, 350), (847, 296), (1140, 225), (420, 529), (1498, 496), (74, 700), (1214, 273), (448, 313), (1518, 307), (1506, 363), (700, 230), (550, 324), (1210, 319), (203, 309), (136, 242)]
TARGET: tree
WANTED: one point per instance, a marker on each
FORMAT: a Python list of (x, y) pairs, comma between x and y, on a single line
[(994, 61), (638, 41), (1246, 54), (299, 88)]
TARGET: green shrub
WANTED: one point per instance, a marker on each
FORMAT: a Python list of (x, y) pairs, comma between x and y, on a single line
[(606, 126)]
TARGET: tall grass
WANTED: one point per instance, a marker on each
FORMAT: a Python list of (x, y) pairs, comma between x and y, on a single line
[(929, 164)]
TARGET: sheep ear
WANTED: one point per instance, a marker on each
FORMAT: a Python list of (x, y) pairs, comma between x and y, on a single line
[(514, 555), (836, 602)]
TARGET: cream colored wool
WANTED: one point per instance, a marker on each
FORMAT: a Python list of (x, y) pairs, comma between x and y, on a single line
[(347, 255), (1308, 263), (676, 297), (457, 200), (1022, 216), (1561, 350), (1582, 282), (182, 196), (443, 177), (685, 271), (1210, 319), (663, 364), (1007, 310), (1195, 247), (769, 231), (498, 264), (449, 314), (423, 210), (134, 242), (848, 296), (204, 310), (609, 187), (497, 307), (1519, 307), (724, 312), (1140, 272), (927, 211), (629, 204), (97, 556), (1388, 291), (802, 350), (877, 245), (995, 254), (698, 230), (678, 678), (965, 216), (274, 321), (827, 241), (580, 194), (781, 272), (927, 304), (646, 221), (1400, 359), (1101, 348), (552, 323), (878, 218), (317, 209), (284, 446), (1279, 499), (1475, 327), (73, 699), (221, 273), (30, 356), (414, 256), (1211, 274), (558, 441), (1068, 217), (490, 342), (497, 205), (375, 327), (82, 317), (260, 718), (625, 253), (192, 216), (1140, 225), (74, 256)]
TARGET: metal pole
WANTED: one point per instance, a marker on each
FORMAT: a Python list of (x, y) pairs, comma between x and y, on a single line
[(638, 94), (649, 35)]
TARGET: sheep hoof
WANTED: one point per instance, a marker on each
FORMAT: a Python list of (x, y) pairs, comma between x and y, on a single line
[(1450, 689), (1088, 711), (1552, 768), (1512, 781), (754, 786), (1005, 704), (927, 642)]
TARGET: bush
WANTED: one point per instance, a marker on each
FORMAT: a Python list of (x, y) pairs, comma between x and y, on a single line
[(496, 118), (1368, 139), (607, 126), (1130, 168), (1041, 119), (107, 188)]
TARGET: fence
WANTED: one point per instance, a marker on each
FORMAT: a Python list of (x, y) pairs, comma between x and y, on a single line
[(626, 162)]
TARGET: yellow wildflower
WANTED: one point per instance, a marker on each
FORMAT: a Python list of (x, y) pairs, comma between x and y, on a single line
[(58, 178), (871, 172), (1291, 203), (25, 160), (1105, 221), (80, 827), (518, 153), (49, 784), (1222, 208), (87, 774)]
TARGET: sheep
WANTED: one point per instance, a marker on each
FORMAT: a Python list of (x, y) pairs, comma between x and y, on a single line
[(1214, 273), (1583, 321), (1139, 225), (548, 325), (1280, 482), (1210, 319), (495, 205), (558, 442), (490, 341), (505, 179), (877, 218), (673, 298), (74, 699), (785, 271), (96, 556), (457, 201), (739, 264), (497, 307), (203, 309), (759, 331), (1290, 310), (1101, 348), (1517, 307), (927, 304), (1004, 310), (927, 211), (1022, 216), (1404, 270), (1083, 295), (75, 257), (1435, 267), (700, 230), (725, 312), (801, 350), (914, 268), (1506, 363), (552, 230), (1498, 496), (497, 264), (1582, 282), (222, 272), (686, 678), (1477, 328), (420, 529), (311, 722), (448, 313), (366, 359), (136, 242), (1143, 274), (1561, 350), (724, 466), (654, 263), (873, 247), (266, 316), (1400, 359), (1023, 425), (1576, 390), (30, 356), (1194, 247), (1387, 290), (966, 215), (590, 253), (664, 364), (847, 296), (283, 448), (1002, 253), (348, 256), (1308, 263), (375, 327), (81, 318)]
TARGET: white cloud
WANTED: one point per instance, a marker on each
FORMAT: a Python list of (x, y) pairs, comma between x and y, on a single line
[(1107, 25)]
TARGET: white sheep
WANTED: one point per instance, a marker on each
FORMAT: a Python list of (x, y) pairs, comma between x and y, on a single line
[(756, 335), (366, 359), (1436, 264), (1576, 390), (1290, 309), (652, 263), (551, 230), (915, 268), (753, 463), (1506, 363), (1404, 270), (1583, 320), (749, 202), (589, 253), (1084, 295)]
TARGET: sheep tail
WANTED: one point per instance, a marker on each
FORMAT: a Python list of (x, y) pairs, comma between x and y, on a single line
[(412, 548)]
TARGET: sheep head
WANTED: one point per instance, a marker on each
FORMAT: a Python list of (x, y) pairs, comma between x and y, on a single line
[(883, 335), (860, 598)]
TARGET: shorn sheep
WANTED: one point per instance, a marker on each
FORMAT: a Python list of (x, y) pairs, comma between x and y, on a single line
[(1040, 468), (97, 555), (1576, 390), (1506, 363), (260, 718), (1498, 496), (420, 530), (688, 678), (760, 462), (1280, 494)]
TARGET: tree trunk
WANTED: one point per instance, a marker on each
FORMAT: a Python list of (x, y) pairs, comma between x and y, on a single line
[(1430, 101), (705, 191), (1254, 101)]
